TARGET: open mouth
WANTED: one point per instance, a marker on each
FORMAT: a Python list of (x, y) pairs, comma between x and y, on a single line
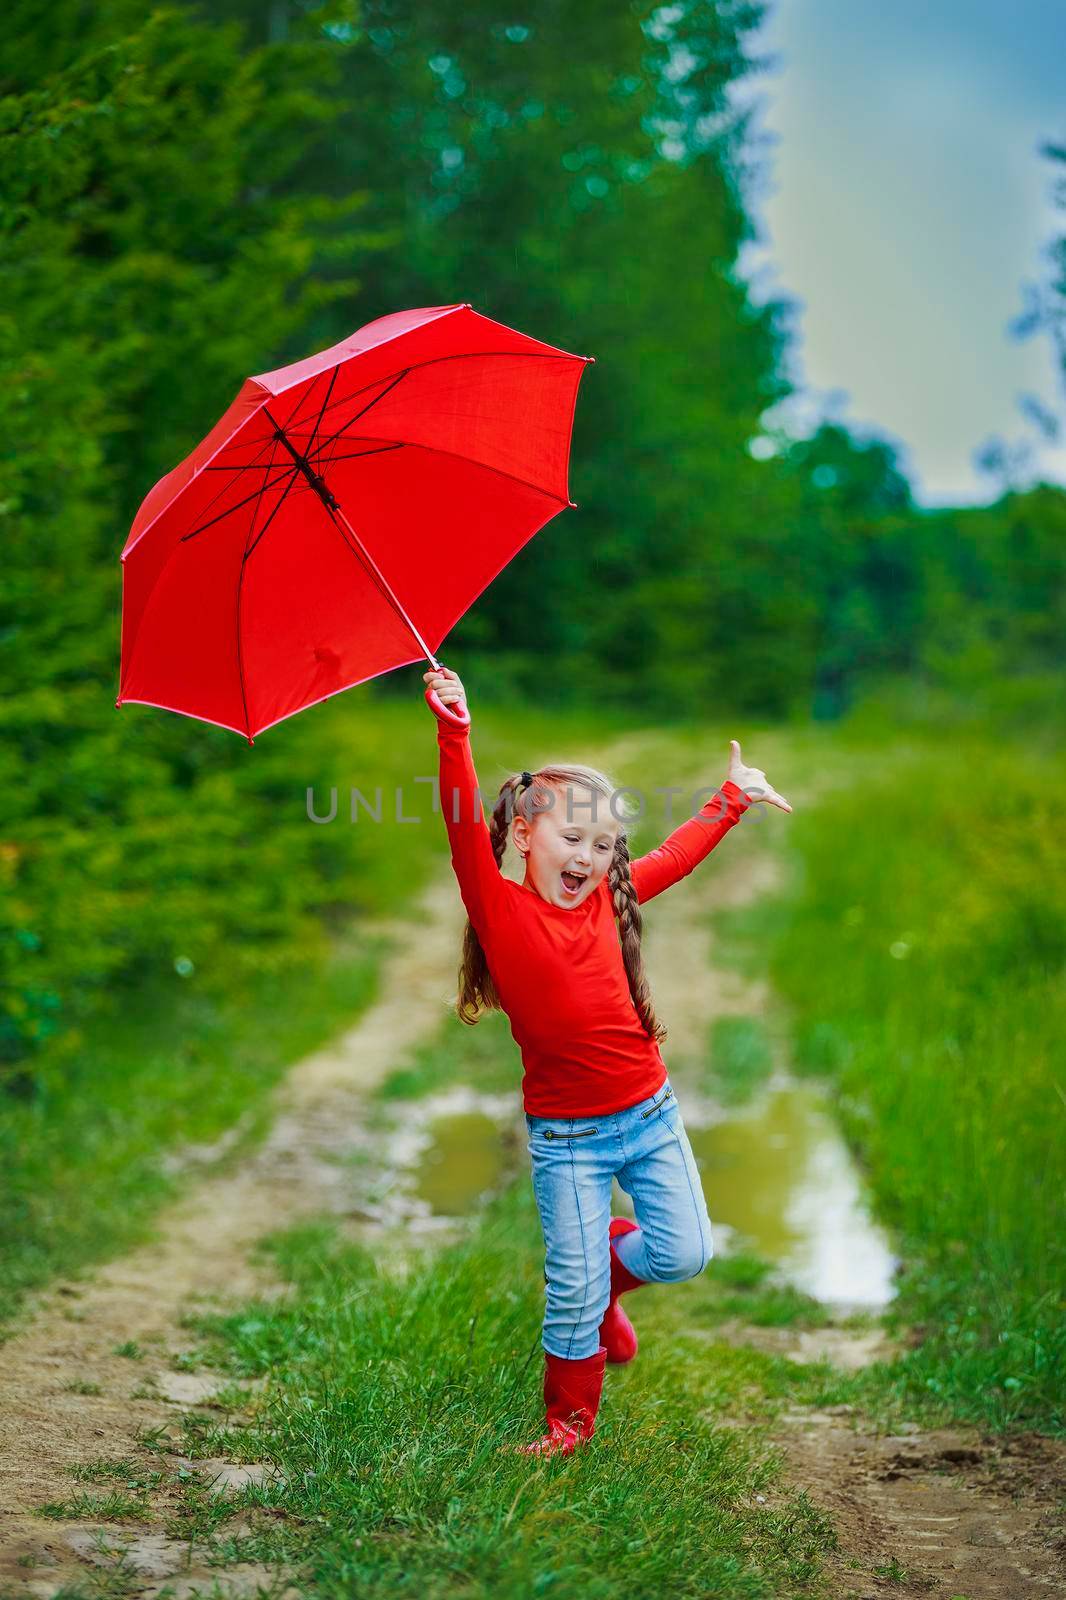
[(572, 882)]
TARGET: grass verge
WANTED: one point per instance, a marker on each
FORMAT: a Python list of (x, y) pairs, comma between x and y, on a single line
[(921, 952)]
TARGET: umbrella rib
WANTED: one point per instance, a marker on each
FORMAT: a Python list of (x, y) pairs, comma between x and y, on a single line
[(359, 414), (286, 472), (412, 444), (240, 466), (321, 454), (248, 548), (355, 455), (240, 577), (375, 450), (416, 366), (305, 394), (251, 466), (281, 501), (328, 454), (454, 454), (324, 443), (258, 504), (336, 514), (322, 410)]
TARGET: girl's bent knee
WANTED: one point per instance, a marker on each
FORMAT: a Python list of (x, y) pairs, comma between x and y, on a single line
[(683, 1268), (687, 1261)]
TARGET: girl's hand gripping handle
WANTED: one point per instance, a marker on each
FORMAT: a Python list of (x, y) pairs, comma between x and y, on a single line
[(446, 697)]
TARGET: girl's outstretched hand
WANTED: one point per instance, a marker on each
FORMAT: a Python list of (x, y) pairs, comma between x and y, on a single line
[(446, 697), (447, 684), (752, 779)]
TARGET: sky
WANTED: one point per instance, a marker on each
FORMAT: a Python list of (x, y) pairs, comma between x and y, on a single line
[(903, 202)]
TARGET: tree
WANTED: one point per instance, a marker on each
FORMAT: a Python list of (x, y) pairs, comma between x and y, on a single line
[(148, 263), (574, 171)]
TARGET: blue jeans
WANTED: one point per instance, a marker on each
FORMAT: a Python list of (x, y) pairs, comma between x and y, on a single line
[(574, 1161)]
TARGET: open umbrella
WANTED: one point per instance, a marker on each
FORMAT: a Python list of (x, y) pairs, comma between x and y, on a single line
[(344, 509)]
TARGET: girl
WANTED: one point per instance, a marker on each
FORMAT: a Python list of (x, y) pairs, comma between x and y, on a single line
[(560, 954)]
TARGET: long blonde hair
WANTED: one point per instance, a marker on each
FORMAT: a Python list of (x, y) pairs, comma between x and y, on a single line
[(477, 992)]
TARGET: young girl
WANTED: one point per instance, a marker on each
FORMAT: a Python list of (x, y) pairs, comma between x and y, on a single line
[(560, 954)]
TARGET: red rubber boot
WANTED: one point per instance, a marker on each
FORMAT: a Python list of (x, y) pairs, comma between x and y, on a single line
[(572, 1392), (617, 1334)]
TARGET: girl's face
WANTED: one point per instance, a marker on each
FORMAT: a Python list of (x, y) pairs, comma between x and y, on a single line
[(567, 860)]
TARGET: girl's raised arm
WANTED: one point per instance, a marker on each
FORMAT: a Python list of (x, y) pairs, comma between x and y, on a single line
[(687, 846), (481, 883)]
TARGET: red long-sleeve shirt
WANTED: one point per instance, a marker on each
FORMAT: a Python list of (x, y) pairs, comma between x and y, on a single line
[(559, 973)]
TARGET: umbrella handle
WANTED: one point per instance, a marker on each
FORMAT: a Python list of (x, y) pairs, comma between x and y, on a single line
[(457, 715)]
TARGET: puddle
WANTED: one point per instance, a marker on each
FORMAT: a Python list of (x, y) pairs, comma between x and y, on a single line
[(464, 1161), (778, 1174), (441, 1158)]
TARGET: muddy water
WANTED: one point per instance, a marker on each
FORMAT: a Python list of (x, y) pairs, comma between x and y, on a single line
[(463, 1162), (776, 1172)]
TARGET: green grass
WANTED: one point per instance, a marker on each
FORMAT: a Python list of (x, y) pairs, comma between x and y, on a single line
[(395, 1401), (746, 1287), (484, 1056), (82, 1170), (112, 1507), (921, 949), (740, 1058), (82, 1386)]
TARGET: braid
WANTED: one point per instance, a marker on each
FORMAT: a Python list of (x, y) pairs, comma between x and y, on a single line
[(630, 929), (477, 992)]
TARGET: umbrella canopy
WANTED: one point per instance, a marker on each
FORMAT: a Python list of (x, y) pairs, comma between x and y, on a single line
[(342, 515)]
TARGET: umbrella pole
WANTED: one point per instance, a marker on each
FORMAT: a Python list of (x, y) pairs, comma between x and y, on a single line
[(337, 516), (380, 580)]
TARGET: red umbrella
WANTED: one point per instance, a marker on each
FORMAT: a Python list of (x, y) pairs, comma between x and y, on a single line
[(343, 510)]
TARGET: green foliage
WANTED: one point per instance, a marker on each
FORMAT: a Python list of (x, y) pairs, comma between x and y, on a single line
[(171, 1072), (997, 584), (148, 264)]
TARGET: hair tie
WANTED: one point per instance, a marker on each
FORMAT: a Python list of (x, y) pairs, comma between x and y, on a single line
[(527, 778)]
